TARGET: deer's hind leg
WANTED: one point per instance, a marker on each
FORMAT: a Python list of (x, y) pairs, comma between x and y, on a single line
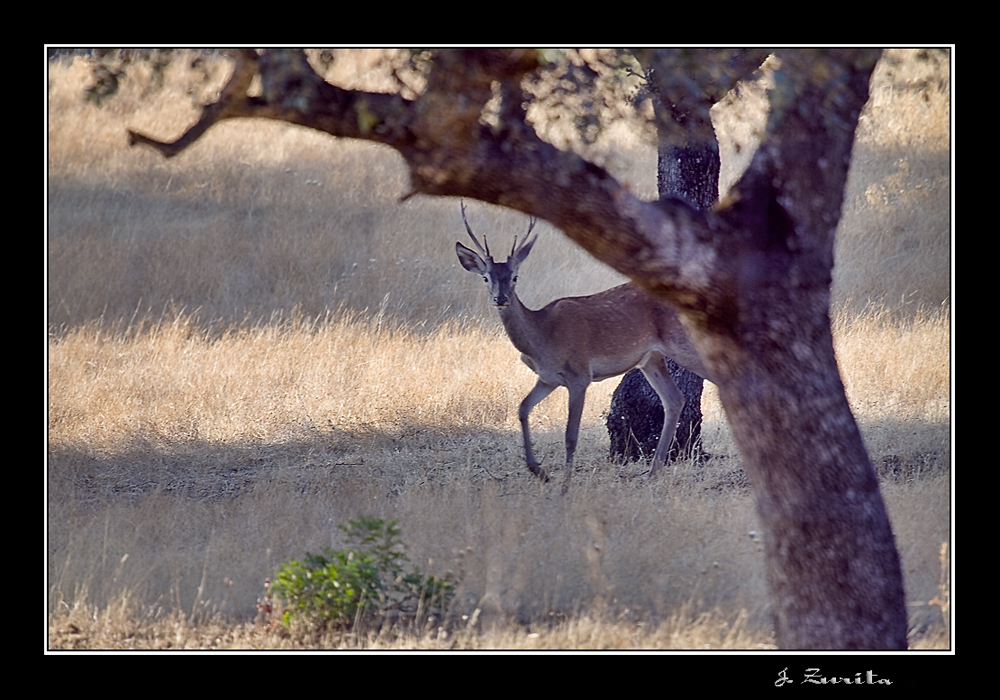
[(655, 370)]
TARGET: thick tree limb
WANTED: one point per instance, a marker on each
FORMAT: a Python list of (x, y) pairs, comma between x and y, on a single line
[(665, 247)]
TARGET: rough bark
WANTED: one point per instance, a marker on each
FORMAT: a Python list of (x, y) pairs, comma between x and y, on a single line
[(687, 168), (751, 280), (635, 418)]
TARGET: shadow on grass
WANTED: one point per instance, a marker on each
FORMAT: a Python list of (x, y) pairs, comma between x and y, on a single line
[(208, 470), (397, 458)]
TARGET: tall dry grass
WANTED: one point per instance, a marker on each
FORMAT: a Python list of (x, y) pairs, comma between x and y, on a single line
[(253, 343)]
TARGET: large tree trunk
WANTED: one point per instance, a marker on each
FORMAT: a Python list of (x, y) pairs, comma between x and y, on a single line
[(832, 564), (750, 279), (635, 418)]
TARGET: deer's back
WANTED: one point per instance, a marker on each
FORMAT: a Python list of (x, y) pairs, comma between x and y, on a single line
[(612, 331)]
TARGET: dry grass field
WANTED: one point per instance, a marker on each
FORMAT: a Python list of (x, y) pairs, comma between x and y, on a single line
[(254, 342)]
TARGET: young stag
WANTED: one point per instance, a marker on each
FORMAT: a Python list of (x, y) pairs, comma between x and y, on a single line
[(578, 340)]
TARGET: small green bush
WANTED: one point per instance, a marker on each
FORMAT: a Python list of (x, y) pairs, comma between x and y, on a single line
[(341, 587)]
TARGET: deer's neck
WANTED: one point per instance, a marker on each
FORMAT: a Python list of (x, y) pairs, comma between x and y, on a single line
[(521, 325)]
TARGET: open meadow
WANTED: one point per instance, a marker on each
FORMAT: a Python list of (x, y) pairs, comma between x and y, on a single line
[(256, 342)]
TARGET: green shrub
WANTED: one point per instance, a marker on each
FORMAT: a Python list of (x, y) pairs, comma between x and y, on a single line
[(368, 578)]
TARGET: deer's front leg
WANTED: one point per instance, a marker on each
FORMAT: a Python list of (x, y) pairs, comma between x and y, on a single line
[(541, 390), (577, 396)]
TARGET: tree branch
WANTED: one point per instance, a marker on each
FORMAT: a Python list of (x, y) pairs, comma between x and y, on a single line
[(233, 102), (666, 247)]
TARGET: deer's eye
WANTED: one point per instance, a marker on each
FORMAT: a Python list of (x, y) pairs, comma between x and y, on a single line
[(486, 280), (514, 279)]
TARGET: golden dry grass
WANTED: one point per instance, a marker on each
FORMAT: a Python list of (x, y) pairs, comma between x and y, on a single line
[(253, 343)]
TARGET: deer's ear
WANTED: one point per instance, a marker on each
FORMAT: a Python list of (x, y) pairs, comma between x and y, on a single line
[(470, 260)]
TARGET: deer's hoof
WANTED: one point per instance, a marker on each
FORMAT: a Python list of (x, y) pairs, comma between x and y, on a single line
[(539, 472)]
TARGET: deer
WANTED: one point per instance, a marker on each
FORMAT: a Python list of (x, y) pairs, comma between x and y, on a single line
[(575, 341)]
